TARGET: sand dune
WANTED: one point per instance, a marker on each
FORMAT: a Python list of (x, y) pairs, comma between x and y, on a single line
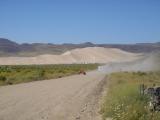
[(82, 55)]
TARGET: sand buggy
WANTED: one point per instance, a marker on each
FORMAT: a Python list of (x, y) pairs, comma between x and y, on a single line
[(154, 98), (82, 72)]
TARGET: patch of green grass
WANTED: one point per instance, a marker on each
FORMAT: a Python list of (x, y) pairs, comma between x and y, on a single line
[(27, 73), (123, 100)]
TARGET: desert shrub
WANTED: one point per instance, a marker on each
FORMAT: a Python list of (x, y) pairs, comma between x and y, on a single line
[(27, 73), (3, 78)]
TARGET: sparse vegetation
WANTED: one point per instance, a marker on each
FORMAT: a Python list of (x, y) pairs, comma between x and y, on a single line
[(123, 100), (27, 73)]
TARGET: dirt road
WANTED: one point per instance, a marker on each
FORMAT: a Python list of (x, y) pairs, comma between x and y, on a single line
[(70, 98)]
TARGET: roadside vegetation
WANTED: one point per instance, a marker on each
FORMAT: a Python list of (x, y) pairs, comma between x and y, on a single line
[(124, 101), (27, 73)]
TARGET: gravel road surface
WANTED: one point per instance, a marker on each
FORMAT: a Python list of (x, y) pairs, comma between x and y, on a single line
[(69, 98)]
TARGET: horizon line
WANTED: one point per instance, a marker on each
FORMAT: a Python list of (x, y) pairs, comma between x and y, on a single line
[(20, 43)]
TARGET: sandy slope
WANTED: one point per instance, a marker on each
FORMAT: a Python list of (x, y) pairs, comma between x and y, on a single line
[(83, 55), (68, 98)]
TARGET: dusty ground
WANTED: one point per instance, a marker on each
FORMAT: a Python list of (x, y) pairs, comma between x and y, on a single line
[(149, 62), (70, 98)]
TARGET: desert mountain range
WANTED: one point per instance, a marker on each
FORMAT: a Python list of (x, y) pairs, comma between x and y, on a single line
[(10, 48)]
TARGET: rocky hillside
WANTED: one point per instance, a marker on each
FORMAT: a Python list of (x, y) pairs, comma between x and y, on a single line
[(8, 46)]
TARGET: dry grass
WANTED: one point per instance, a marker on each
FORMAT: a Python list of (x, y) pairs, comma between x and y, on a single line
[(123, 100)]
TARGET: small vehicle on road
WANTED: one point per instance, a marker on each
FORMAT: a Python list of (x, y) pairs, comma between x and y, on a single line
[(82, 72)]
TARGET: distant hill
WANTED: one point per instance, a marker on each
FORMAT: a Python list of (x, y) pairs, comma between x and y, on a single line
[(76, 56), (10, 48)]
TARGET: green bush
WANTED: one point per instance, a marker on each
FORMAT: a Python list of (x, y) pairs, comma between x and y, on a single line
[(3, 78)]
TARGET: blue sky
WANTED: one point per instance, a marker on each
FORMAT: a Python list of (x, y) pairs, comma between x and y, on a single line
[(77, 21)]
